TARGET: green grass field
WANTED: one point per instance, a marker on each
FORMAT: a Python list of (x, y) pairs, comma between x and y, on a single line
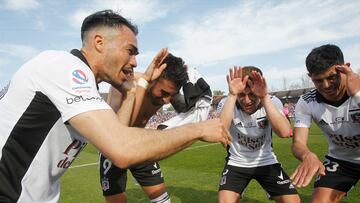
[(191, 176)]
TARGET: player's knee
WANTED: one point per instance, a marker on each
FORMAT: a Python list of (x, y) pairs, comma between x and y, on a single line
[(164, 198)]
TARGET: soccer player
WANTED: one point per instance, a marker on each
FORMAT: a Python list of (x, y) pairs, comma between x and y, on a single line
[(52, 107), (161, 91), (251, 114), (337, 114)]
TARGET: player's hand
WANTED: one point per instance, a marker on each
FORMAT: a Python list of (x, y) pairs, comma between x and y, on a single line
[(352, 79), (258, 84), (307, 169), (156, 67), (235, 82), (214, 131)]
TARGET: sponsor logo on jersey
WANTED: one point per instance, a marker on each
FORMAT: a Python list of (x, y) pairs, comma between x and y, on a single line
[(240, 125), (70, 153), (281, 176), (156, 171), (76, 99), (252, 143), (282, 182), (79, 77), (291, 186), (349, 142)]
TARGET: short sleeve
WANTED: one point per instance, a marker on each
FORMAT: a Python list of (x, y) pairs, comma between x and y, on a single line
[(69, 84), (302, 114), (220, 106), (279, 106)]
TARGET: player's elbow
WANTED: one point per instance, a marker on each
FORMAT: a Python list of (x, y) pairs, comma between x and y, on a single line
[(284, 133)]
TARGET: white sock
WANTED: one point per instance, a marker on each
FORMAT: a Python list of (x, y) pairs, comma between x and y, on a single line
[(164, 198)]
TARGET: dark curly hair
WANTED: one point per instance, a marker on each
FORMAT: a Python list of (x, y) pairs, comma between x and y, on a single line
[(175, 70), (323, 58)]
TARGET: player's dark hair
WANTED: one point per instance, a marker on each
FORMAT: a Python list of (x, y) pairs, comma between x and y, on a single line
[(105, 18), (175, 70), (246, 70), (324, 57)]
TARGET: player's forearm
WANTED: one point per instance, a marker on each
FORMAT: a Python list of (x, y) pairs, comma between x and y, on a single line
[(140, 94), (226, 114), (300, 150), (151, 145), (279, 123), (126, 108)]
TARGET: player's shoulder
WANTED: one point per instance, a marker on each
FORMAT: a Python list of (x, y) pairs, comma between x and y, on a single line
[(310, 96)]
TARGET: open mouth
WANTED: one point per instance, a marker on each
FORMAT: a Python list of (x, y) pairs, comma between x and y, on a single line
[(128, 72)]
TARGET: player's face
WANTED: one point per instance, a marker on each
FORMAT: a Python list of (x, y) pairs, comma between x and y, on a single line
[(161, 91), (248, 101), (119, 59), (330, 84)]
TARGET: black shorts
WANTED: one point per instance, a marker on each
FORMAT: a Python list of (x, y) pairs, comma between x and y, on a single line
[(113, 179), (272, 178), (340, 175)]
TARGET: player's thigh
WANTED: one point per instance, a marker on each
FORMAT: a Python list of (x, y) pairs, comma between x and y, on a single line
[(326, 195), (287, 198), (148, 174), (117, 198), (154, 191), (226, 196), (235, 179), (339, 175), (275, 181), (112, 179)]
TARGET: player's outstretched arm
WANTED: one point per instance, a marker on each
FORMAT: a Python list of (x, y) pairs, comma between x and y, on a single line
[(126, 146), (310, 163)]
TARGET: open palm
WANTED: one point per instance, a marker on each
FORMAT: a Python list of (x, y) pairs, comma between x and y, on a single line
[(258, 84), (236, 83)]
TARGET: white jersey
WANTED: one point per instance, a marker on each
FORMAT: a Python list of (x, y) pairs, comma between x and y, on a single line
[(197, 113), (37, 144), (340, 125), (251, 137)]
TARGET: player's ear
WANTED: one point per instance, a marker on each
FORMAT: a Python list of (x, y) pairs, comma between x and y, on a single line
[(98, 41)]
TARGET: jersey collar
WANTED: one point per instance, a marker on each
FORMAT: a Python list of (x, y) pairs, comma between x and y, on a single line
[(78, 54), (321, 99)]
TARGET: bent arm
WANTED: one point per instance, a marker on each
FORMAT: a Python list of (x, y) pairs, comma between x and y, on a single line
[(227, 111), (126, 146), (122, 104), (278, 121)]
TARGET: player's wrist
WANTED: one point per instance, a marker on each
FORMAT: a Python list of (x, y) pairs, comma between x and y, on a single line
[(142, 82)]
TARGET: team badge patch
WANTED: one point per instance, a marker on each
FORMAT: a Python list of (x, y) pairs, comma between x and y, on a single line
[(80, 82), (79, 77), (263, 123), (355, 117), (223, 180), (105, 184)]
